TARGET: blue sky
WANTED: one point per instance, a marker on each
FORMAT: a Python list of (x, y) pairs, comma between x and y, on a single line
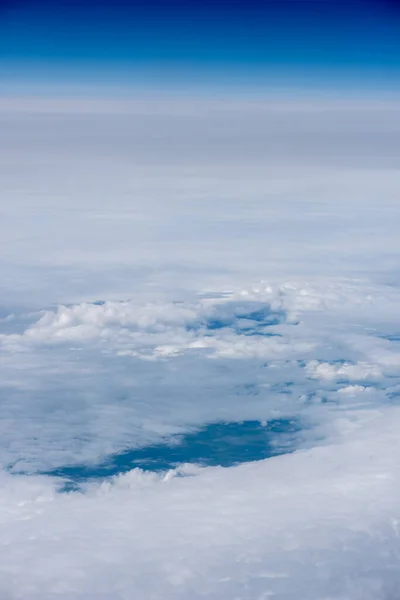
[(223, 40)]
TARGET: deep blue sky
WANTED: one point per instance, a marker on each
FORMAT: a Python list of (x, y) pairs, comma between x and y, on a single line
[(359, 38)]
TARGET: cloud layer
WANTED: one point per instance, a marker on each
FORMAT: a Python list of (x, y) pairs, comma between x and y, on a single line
[(188, 263)]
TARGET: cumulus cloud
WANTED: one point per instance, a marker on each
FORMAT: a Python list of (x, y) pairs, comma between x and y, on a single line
[(345, 371)]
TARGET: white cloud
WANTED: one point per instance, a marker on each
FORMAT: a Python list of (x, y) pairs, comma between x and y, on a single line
[(358, 371), (317, 524), (167, 266)]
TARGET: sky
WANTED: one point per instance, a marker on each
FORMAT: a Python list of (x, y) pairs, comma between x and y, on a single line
[(154, 43)]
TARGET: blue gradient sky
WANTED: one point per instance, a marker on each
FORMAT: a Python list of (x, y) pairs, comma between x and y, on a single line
[(157, 40)]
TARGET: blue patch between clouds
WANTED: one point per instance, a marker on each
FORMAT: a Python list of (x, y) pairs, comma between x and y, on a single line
[(217, 444)]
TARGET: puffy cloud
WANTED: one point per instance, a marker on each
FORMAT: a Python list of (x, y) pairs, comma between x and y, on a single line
[(348, 371)]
